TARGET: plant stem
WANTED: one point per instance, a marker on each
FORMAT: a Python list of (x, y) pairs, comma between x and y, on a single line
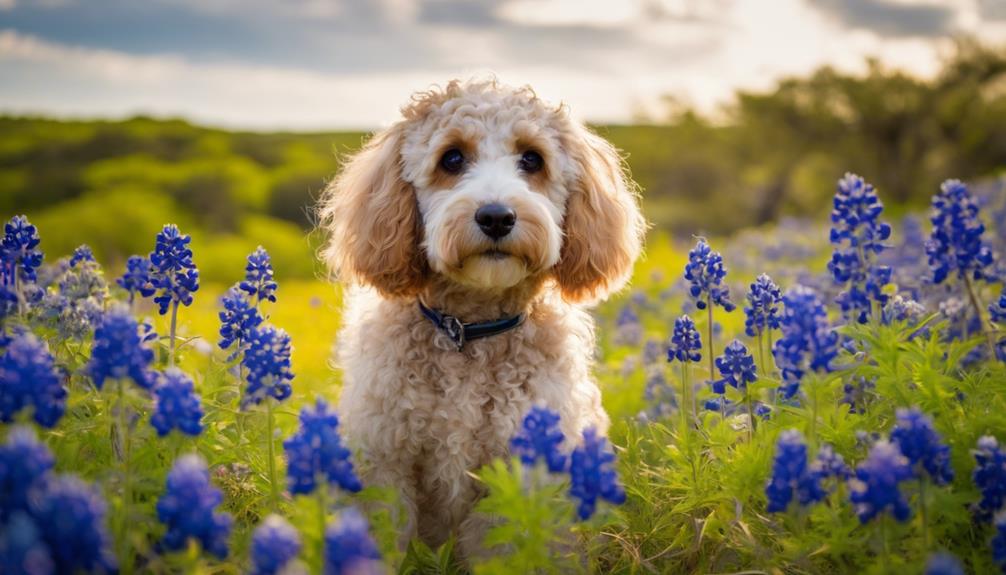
[(273, 487), (322, 521), (127, 494), (885, 560), (712, 364), (981, 316), (925, 515), (240, 418), (813, 410), (687, 407), (171, 336), (751, 415)]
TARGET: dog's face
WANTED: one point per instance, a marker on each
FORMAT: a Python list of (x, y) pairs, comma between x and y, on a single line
[(487, 186)]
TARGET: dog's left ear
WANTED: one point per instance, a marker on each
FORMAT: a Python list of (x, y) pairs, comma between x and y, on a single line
[(603, 226)]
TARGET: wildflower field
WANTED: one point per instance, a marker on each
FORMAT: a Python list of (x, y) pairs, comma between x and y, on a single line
[(814, 397)]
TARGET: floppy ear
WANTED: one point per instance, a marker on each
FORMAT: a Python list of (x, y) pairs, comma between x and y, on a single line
[(373, 221), (603, 225)]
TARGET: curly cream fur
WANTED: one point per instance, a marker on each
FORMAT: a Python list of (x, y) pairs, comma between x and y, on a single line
[(423, 414)]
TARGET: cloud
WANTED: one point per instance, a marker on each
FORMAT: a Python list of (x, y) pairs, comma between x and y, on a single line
[(314, 64), (891, 17)]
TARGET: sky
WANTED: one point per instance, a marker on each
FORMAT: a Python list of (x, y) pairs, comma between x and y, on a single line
[(350, 64)]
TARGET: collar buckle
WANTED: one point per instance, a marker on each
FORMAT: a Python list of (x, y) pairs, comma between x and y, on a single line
[(454, 329)]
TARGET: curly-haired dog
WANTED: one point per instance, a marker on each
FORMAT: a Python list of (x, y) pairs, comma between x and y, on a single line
[(487, 207)]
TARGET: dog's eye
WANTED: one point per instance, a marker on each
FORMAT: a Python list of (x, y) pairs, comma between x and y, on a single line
[(531, 162), (452, 161)]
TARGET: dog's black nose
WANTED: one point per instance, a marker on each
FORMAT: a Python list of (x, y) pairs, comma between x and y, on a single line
[(496, 220)]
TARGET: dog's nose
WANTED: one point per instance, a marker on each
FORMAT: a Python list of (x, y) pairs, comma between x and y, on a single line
[(495, 220)]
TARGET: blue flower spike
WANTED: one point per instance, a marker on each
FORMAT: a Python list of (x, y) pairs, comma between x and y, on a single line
[(858, 236), (258, 282), (762, 310), (685, 341), (70, 515), (705, 271), (119, 350), (349, 549), (539, 438), (176, 404), (25, 463), (173, 274), (275, 543), (29, 377), (922, 445), (989, 475), (874, 489), (316, 453), (737, 367), (792, 477), (188, 509), (267, 364), (956, 246), (592, 474), (808, 343), (137, 278)]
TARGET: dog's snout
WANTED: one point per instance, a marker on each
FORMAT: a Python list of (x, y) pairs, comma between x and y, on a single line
[(495, 220)]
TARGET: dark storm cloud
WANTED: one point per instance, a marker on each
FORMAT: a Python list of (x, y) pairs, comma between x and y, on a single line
[(890, 18)]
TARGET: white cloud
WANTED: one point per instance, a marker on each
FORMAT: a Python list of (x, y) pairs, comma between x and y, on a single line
[(679, 47)]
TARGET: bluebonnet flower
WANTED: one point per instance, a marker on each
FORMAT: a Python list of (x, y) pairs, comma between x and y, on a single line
[(705, 271), (736, 366), (274, 544), (267, 360), (943, 564), (28, 376), (628, 330), (118, 351), (652, 351), (77, 306), (172, 270), (830, 464), (83, 253), (955, 245), (922, 445), (188, 508), (658, 394), (997, 310), (762, 312), (540, 438), (258, 282), (237, 320), (20, 249), (592, 474), (316, 452), (808, 343), (136, 279), (989, 475), (25, 463), (904, 309), (856, 392), (685, 342), (875, 488), (791, 475), (22, 550), (349, 549), (70, 515), (858, 235), (176, 405), (999, 541)]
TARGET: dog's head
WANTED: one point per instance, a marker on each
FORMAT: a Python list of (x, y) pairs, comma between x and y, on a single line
[(487, 186)]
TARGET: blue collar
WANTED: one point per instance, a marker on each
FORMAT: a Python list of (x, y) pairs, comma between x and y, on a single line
[(461, 332)]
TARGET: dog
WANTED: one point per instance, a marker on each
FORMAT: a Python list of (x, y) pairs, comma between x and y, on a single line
[(471, 236)]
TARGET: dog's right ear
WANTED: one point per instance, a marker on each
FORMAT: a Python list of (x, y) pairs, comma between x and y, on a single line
[(373, 221)]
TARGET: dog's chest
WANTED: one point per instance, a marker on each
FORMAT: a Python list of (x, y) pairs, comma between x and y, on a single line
[(473, 399)]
